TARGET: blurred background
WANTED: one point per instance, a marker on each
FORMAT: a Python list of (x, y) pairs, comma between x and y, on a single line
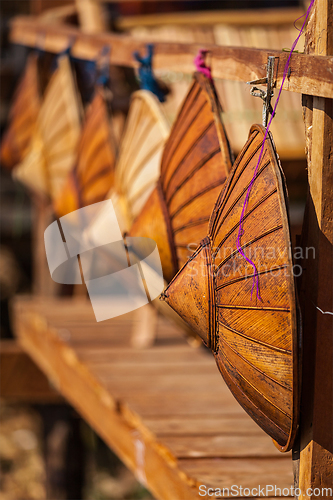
[(34, 434)]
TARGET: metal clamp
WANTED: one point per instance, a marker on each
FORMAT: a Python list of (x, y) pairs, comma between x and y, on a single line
[(267, 95)]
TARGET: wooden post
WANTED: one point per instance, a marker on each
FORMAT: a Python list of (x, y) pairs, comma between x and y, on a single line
[(144, 329), (316, 425), (43, 285), (91, 17)]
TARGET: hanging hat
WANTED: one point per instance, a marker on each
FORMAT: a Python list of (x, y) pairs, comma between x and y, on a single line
[(138, 166), (195, 164), (23, 116), (93, 174), (253, 335), (53, 147)]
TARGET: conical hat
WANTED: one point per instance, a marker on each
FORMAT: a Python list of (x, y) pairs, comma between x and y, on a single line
[(23, 116), (254, 341), (195, 163), (93, 174), (138, 165), (53, 147)]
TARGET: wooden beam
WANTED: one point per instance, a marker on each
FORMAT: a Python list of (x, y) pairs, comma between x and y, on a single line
[(243, 17), (239, 17), (316, 294), (20, 379), (312, 75)]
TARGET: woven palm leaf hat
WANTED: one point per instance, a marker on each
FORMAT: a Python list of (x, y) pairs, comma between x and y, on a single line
[(92, 175), (195, 163), (245, 309), (54, 143), (23, 116), (138, 165)]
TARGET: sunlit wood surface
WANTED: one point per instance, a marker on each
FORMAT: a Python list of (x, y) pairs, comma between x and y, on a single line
[(164, 410)]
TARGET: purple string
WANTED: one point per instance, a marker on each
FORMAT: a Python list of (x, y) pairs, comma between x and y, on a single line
[(300, 17), (200, 64), (241, 231)]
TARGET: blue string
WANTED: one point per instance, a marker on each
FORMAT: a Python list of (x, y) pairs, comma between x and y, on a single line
[(147, 78)]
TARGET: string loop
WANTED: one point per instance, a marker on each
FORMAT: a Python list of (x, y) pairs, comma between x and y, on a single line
[(200, 64)]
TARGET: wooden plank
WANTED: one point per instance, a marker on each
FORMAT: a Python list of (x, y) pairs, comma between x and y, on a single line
[(316, 432), (222, 446), (248, 473), (20, 379), (182, 355), (308, 75), (151, 463), (243, 17), (183, 404), (203, 425), (130, 411), (137, 377)]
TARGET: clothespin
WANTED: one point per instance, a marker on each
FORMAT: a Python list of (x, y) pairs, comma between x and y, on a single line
[(265, 96), (103, 74), (147, 78)]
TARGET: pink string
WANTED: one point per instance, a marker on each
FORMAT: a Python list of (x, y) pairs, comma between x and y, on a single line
[(241, 231), (200, 64)]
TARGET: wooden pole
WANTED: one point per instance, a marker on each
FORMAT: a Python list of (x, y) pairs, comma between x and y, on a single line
[(316, 425)]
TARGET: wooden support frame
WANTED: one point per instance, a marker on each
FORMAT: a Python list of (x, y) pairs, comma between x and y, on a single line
[(308, 75)]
